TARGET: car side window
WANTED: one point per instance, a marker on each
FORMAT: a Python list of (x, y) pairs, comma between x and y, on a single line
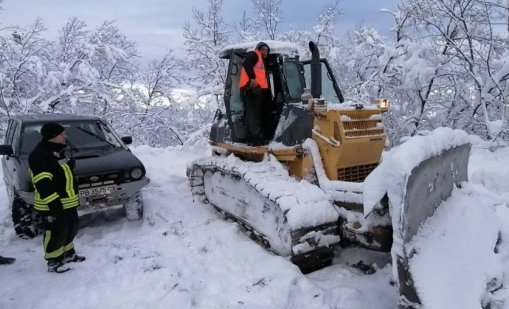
[(14, 132), (10, 132), (30, 138)]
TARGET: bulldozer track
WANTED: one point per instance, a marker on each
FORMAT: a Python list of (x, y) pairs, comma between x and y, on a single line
[(309, 247)]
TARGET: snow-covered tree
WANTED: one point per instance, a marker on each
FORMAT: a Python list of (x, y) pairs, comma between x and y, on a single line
[(151, 119), (245, 28), (357, 60), (23, 59), (204, 39), (268, 16), (91, 68), (159, 79), (446, 66), (469, 62), (324, 31)]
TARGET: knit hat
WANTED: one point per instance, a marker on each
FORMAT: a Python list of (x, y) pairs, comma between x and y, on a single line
[(261, 44), (50, 130)]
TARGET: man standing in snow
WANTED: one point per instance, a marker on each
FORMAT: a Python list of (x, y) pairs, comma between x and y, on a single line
[(255, 90), (56, 197)]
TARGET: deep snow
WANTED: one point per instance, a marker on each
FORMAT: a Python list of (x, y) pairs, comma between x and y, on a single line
[(183, 255)]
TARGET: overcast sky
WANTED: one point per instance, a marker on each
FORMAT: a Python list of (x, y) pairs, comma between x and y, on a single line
[(156, 25)]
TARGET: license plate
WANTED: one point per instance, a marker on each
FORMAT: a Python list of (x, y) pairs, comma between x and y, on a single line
[(98, 191)]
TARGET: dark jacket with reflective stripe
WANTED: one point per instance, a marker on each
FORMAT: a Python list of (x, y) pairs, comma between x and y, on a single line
[(53, 178)]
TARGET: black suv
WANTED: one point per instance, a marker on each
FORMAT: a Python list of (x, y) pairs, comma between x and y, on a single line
[(109, 175)]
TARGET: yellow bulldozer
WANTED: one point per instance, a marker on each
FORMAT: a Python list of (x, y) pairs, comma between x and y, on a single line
[(302, 195)]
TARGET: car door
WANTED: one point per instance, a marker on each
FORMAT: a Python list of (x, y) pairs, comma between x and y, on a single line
[(10, 163)]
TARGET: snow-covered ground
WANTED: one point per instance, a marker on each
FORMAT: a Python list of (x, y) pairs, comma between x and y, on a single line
[(182, 255)]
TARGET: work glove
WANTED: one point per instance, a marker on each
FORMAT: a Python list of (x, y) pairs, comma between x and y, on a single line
[(253, 83)]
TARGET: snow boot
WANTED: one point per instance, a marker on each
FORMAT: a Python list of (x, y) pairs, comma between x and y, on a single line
[(6, 260), (368, 269), (57, 267), (73, 258)]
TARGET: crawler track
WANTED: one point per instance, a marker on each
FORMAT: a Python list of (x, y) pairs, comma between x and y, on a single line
[(271, 207)]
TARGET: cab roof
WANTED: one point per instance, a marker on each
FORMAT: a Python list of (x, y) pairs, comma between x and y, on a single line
[(276, 47)]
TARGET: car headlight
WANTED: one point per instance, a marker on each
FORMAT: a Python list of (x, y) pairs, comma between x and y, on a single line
[(136, 173)]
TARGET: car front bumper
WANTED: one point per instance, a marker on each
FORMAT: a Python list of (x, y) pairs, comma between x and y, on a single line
[(119, 197)]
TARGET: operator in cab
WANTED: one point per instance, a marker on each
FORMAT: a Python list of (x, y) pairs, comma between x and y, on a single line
[(256, 94)]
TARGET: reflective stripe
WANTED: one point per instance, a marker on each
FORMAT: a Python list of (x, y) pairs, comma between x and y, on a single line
[(41, 176), (72, 199), (260, 73), (69, 246), (67, 200), (69, 180), (41, 207), (42, 204), (71, 204), (45, 207), (53, 254), (47, 199)]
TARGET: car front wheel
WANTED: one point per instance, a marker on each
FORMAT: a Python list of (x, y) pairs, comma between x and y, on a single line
[(134, 207), (27, 223)]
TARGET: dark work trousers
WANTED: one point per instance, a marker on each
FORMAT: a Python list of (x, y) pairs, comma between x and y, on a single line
[(258, 115), (59, 233)]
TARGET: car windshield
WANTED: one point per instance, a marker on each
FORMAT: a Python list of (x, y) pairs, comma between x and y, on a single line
[(81, 135)]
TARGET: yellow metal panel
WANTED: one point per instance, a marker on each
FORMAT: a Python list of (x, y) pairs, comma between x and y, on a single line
[(362, 139), (302, 167)]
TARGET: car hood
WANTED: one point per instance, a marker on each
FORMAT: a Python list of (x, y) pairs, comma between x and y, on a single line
[(88, 162), (104, 160)]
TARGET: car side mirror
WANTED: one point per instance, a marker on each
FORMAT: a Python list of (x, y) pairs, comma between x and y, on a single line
[(6, 150), (127, 140)]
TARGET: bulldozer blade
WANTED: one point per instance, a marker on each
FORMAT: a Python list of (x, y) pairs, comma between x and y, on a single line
[(427, 186)]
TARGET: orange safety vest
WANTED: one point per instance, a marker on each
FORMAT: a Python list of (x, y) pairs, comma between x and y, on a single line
[(260, 73)]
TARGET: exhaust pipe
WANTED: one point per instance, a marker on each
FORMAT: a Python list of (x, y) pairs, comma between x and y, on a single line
[(316, 71)]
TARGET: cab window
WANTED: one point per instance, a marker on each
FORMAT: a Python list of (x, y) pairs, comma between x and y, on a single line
[(235, 100), (328, 91), (293, 73)]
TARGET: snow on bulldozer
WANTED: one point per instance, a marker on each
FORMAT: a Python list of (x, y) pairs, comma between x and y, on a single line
[(320, 181)]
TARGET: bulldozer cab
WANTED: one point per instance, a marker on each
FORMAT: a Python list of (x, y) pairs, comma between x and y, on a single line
[(288, 77)]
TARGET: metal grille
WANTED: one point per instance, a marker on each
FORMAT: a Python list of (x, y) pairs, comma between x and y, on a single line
[(359, 133), (99, 179), (356, 173), (360, 125), (358, 114)]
